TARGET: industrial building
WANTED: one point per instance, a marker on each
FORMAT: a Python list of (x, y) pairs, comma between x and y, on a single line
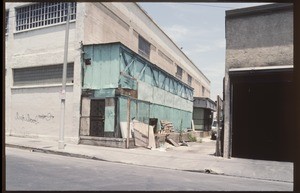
[(259, 101), (116, 52)]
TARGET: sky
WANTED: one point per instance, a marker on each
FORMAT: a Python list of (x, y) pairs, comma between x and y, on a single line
[(199, 28)]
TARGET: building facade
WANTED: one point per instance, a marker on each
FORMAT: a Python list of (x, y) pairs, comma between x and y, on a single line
[(258, 107), (34, 44)]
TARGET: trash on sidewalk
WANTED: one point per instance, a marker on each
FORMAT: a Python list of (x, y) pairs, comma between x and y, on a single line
[(184, 143), (166, 126), (143, 135), (171, 141)]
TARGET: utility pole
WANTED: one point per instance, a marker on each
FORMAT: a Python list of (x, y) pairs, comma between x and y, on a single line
[(128, 122), (218, 150), (61, 144)]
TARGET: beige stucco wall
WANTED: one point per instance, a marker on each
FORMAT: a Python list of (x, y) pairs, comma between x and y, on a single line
[(111, 22)]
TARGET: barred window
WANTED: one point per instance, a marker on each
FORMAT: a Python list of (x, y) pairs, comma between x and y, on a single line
[(43, 14), (40, 75), (144, 47), (6, 20), (179, 72), (190, 80)]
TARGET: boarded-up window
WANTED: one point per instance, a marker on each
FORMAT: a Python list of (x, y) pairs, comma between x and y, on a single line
[(43, 14), (144, 47), (42, 75)]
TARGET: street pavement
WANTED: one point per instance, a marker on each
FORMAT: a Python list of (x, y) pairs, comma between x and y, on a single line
[(197, 157), (35, 171)]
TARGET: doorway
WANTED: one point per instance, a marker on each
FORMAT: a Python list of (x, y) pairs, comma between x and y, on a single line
[(262, 116), (97, 117)]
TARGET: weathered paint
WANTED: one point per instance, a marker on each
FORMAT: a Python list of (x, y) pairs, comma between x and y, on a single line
[(160, 95), (103, 72), (103, 93), (143, 110), (109, 118)]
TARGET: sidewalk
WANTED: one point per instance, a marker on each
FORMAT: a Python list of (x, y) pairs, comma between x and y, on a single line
[(197, 158)]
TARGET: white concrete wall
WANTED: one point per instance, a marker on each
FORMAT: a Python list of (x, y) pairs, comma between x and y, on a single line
[(35, 110)]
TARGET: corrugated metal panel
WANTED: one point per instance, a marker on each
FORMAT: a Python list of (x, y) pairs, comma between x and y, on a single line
[(162, 97), (103, 93), (103, 72), (109, 118), (142, 111)]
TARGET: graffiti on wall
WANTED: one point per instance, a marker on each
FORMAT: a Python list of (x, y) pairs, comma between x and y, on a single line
[(34, 119)]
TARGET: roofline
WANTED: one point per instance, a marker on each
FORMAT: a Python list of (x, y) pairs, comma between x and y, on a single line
[(262, 9), (170, 39)]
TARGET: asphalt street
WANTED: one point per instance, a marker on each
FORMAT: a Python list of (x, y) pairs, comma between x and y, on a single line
[(26, 170)]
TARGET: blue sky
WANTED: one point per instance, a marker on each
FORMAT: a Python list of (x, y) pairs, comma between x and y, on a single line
[(199, 28)]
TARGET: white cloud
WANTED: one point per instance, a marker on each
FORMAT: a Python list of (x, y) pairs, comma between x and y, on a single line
[(176, 32)]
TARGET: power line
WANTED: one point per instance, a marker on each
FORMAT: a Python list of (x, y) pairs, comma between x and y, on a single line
[(206, 5)]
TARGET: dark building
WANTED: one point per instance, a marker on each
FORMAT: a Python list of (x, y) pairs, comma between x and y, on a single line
[(259, 103)]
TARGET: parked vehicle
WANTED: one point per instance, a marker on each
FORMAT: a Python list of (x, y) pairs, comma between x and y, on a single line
[(214, 130)]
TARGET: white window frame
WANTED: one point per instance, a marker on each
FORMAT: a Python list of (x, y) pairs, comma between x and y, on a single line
[(43, 14)]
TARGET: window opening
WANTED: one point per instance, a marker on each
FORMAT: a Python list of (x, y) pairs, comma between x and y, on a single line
[(203, 90), (6, 20), (40, 75), (179, 72), (144, 47), (43, 14), (190, 80)]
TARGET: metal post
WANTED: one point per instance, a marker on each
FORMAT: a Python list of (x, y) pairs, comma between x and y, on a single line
[(61, 144), (128, 122), (218, 153)]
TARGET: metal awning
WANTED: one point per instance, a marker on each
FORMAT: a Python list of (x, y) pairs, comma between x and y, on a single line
[(205, 103)]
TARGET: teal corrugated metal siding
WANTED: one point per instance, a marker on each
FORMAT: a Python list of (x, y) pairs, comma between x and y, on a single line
[(104, 69), (142, 111)]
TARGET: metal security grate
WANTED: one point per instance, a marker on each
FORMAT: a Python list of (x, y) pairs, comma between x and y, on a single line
[(43, 14), (42, 75)]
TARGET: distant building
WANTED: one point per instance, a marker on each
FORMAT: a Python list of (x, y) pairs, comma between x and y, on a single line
[(116, 51), (259, 102)]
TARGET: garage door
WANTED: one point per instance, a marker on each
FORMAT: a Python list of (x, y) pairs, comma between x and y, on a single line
[(262, 115)]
